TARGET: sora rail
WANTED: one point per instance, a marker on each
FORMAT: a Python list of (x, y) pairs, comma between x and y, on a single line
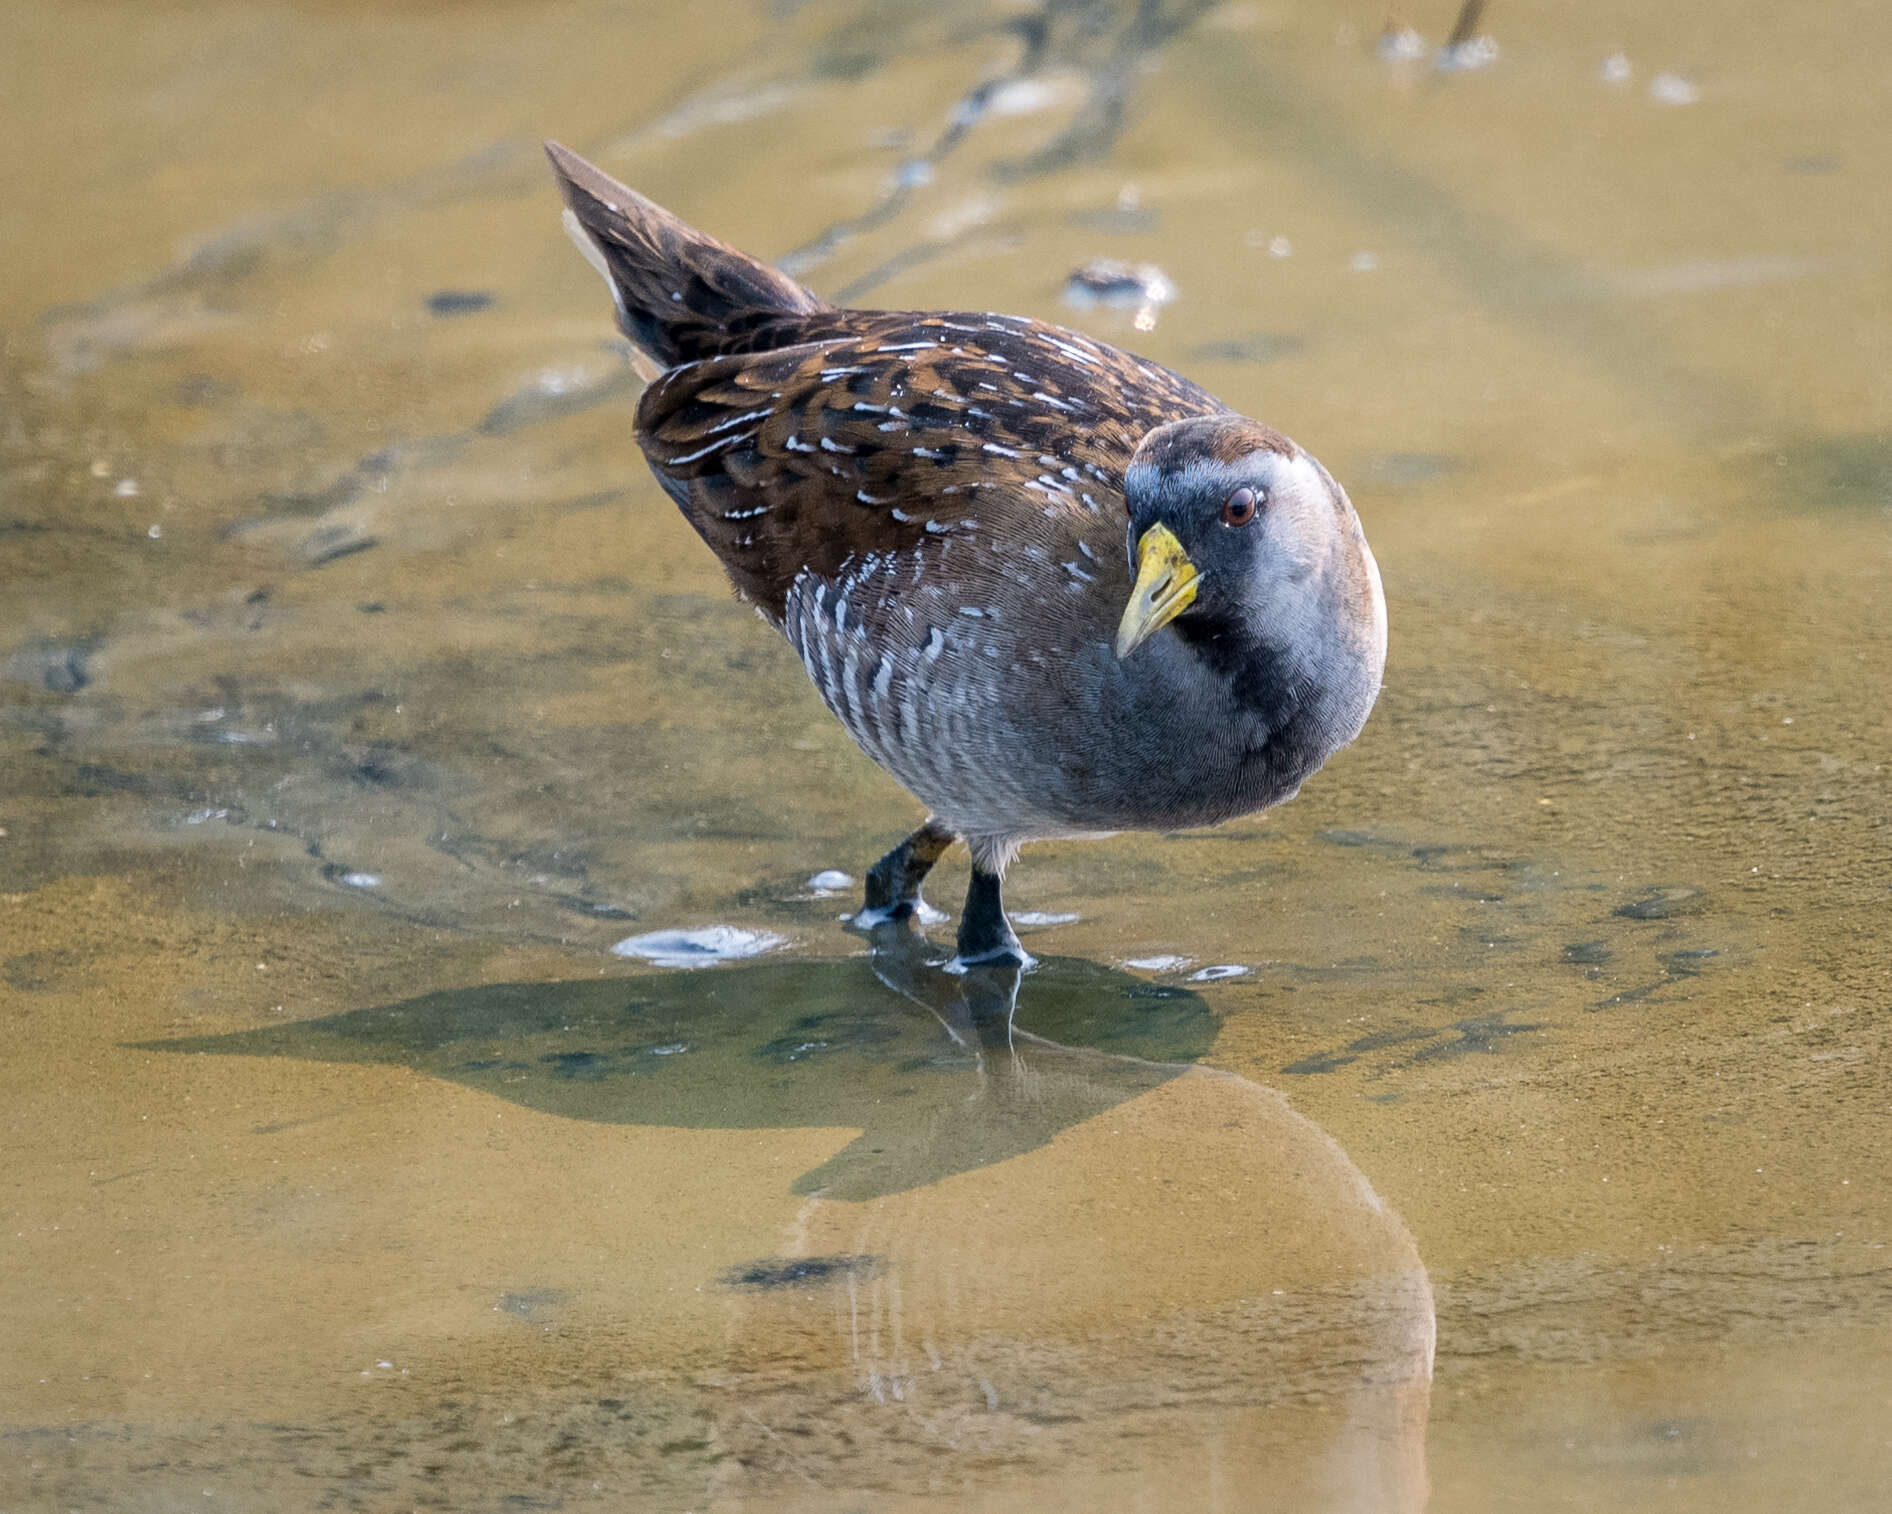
[(1054, 589)]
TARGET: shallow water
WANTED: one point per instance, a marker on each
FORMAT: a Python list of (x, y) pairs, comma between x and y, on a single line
[(359, 692)]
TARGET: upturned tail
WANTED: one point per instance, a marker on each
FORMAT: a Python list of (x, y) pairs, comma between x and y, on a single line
[(680, 295)]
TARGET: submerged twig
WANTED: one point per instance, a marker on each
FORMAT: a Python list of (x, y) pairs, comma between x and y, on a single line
[(1469, 15), (1057, 32)]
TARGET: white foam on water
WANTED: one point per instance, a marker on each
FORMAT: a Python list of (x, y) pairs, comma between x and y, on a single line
[(1705, 275), (704, 947), (1042, 917), (1400, 46), (1164, 964), (1672, 89), (1027, 97), (558, 381), (362, 880), (830, 880), (1475, 52), (960, 966), (1216, 974), (923, 914)]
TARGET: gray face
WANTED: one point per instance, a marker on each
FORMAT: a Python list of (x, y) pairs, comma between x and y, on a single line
[(1269, 533)]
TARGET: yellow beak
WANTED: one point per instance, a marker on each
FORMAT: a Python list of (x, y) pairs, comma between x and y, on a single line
[(1166, 586)]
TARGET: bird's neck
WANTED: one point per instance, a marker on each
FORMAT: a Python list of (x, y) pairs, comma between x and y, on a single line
[(1304, 679)]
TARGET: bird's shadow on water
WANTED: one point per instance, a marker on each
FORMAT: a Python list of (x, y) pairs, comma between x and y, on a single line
[(1202, 1295), (940, 1073)]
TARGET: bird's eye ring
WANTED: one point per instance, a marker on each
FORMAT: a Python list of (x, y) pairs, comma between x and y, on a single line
[(1239, 508)]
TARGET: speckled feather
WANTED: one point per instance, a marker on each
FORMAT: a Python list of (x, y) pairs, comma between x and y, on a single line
[(873, 432), (930, 506), (903, 499)]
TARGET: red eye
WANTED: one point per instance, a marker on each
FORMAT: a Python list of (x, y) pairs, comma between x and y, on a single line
[(1239, 508)]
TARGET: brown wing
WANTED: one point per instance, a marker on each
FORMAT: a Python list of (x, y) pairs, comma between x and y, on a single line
[(877, 432)]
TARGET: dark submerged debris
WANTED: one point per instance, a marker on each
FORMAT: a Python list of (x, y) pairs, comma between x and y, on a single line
[(555, 394), (1666, 902), (450, 302), (1055, 35), (799, 1272), (58, 667), (1260, 347), (1464, 47), (1142, 287), (332, 543)]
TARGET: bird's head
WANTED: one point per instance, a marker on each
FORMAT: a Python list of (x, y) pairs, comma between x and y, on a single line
[(1243, 540)]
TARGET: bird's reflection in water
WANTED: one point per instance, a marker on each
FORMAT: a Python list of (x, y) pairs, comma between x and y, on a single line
[(1060, 1265), (1178, 1295)]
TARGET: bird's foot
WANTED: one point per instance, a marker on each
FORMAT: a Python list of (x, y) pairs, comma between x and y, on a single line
[(893, 883), (985, 935), (1013, 956)]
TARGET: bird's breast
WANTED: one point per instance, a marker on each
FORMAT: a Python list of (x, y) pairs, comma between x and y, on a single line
[(1013, 715)]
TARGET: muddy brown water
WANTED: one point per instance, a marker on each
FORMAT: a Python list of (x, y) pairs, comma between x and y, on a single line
[(358, 691)]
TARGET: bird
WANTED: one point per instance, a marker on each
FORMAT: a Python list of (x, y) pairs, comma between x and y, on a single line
[(1054, 589)]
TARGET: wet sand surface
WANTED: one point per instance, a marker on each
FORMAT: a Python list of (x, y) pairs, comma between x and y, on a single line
[(359, 691)]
